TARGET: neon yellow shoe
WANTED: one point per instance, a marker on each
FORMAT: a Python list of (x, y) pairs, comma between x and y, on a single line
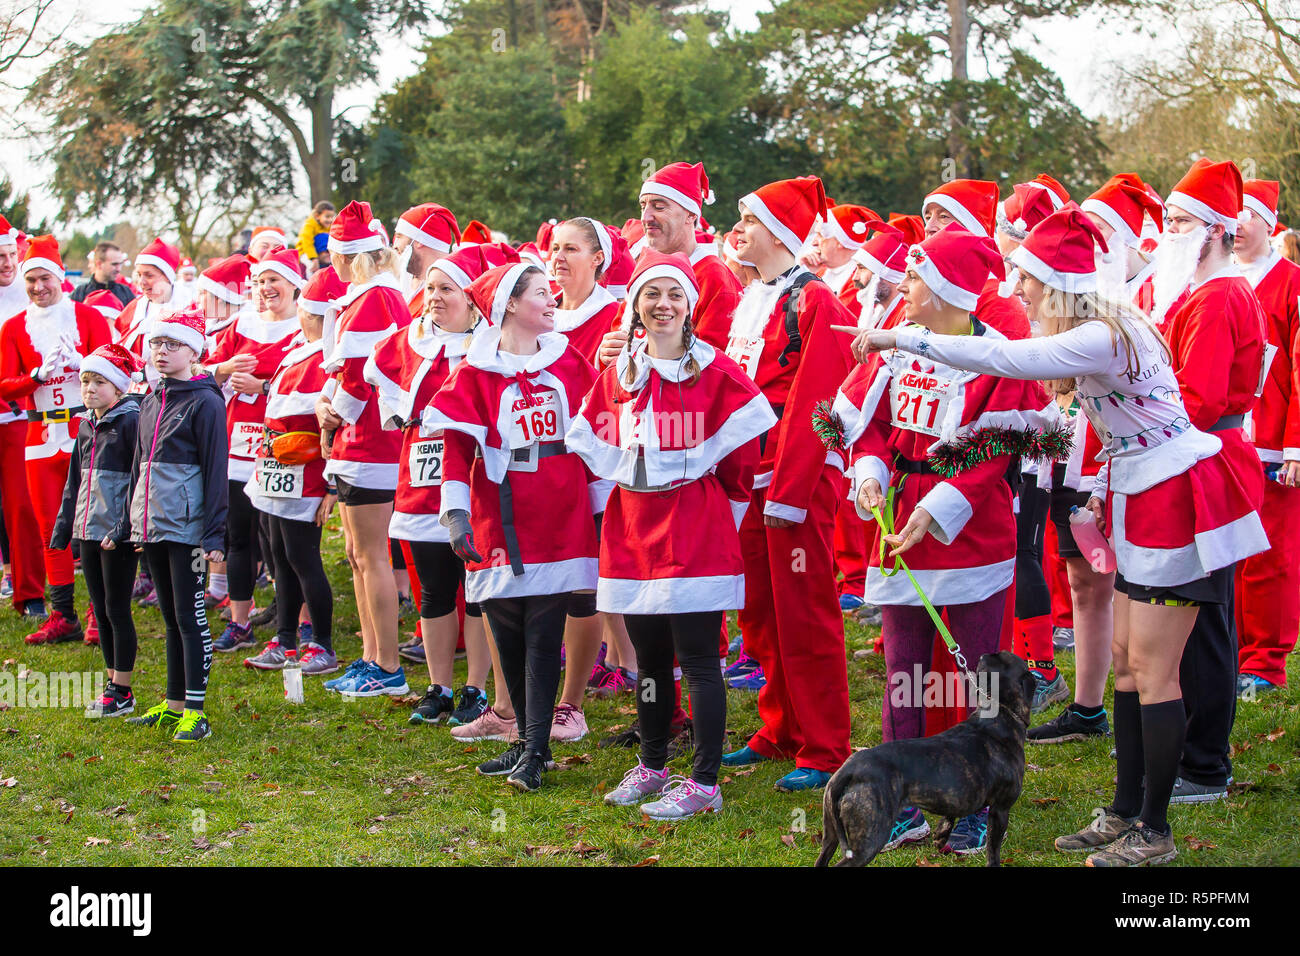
[(160, 716), (193, 726)]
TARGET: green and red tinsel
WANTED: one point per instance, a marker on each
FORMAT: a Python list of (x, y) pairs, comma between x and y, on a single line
[(979, 446), (829, 426)]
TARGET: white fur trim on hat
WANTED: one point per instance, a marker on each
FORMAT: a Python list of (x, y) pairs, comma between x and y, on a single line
[(940, 286), (602, 237), (652, 188), (665, 271), (280, 269), (453, 272), (107, 370), (784, 234), (405, 228), (1268, 215), (1065, 281), (839, 235), (181, 333), (1202, 211), (162, 265), (39, 263), (1112, 219), (957, 211), (878, 268), (503, 290), (220, 291)]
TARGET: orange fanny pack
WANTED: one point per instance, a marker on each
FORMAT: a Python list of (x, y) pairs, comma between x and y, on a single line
[(296, 448)]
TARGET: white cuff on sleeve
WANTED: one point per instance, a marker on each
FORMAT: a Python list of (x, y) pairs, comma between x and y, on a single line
[(1291, 454), (598, 493), (949, 510), (455, 497), (868, 467), (775, 509)]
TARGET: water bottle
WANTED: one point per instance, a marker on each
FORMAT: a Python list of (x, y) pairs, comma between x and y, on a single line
[(293, 682), (1092, 543)]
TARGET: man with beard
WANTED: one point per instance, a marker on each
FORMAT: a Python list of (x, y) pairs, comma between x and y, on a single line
[(40, 354), (1121, 209), (781, 335), (881, 264), (425, 233), (1268, 584), (1216, 332), (844, 232)]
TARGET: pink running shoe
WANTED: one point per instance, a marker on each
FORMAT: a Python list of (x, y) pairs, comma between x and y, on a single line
[(568, 725), (682, 798), (488, 726), (617, 681)]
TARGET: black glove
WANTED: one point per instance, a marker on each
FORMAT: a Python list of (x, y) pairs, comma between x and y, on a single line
[(462, 538)]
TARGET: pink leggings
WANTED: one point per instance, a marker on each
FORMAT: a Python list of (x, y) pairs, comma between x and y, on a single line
[(909, 640)]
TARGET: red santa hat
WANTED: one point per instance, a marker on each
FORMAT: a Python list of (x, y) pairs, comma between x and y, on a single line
[(42, 253), (283, 262), (657, 265), (972, 202), (227, 279), (912, 227), (8, 234), (103, 301), (430, 225), (114, 364), (469, 262), (544, 233), (684, 183), (955, 263), (321, 290), (187, 262), (1260, 196), (1122, 202), (849, 225), (355, 229), (476, 232), (162, 256), (276, 233), (619, 272), (529, 251), (491, 291), (1060, 251), (789, 208), (1027, 206), (188, 326), (885, 253), (634, 232), (1212, 192)]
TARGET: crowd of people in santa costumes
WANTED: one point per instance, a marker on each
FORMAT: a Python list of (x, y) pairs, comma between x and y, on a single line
[(590, 447)]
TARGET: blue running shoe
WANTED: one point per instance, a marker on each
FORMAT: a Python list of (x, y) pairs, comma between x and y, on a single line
[(803, 778), (850, 602), (346, 677), (305, 633), (909, 827), (374, 681), (969, 835), (737, 644), (744, 757), (1250, 686), (755, 681), (744, 664), (234, 637)]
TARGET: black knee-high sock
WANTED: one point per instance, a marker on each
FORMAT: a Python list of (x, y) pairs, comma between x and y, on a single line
[(61, 596), (1164, 728), (1128, 754)]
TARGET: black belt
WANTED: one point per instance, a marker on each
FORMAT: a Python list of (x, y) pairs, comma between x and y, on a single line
[(908, 467), (58, 415), (1228, 422), (545, 450)]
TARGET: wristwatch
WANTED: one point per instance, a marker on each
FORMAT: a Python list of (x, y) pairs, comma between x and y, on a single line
[(266, 387)]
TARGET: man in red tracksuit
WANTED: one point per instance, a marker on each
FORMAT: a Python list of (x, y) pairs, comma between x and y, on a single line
[(791, 621), (1268, 585), (40, 354)]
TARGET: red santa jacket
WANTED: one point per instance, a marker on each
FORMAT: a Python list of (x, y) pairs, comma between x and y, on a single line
[(586, 325), (407, 369), (530, 500), (793, 383), (1275, 421), (363, 453), (719, 296), (267, 342), (22, 350), (1004, 313)]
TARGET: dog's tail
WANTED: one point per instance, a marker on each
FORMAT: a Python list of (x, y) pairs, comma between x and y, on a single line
[(832, 831)]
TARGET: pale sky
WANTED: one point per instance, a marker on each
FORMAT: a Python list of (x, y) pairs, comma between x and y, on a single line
[(1058, 43)]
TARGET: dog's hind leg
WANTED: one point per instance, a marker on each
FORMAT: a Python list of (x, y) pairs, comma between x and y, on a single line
[(867, 815), (832, 833), (942, 830), (998, 817)]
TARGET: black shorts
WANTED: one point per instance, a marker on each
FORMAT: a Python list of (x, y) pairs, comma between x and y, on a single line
[(582, 605), (1215, 588), (350, 494), (1063, 499)]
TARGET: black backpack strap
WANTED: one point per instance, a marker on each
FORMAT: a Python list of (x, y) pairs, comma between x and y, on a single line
[(795, 342)]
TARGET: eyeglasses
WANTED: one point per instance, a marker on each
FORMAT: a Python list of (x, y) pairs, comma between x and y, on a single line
[(169, 345)]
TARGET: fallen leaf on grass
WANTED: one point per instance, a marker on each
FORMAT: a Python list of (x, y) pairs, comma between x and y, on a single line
[(459, 766), (375, 828), (1236, 749), (201, 843), (573, 760), (92, 759), (1272, 769), (1196, 844), (647, 843), (648, 861), (116, 811), (1277, 732), (743, 773), (12, 730), (745, 834), (926, 861), (1046, 801), (1033, 767), (788, 839), (273, 750), (42, 839), (66, 755), (96, 841), (9, 782)]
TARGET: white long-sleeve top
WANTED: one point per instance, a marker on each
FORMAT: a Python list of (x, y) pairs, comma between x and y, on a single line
[(1145, 432)]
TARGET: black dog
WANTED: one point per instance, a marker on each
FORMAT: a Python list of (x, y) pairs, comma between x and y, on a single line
[(979, 763)]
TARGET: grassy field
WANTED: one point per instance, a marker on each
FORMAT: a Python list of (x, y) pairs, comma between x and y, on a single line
[(335, 782)]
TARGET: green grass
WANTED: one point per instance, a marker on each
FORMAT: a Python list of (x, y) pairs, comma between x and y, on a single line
[(333, 782)]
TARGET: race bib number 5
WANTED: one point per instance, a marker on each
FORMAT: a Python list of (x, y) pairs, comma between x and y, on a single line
[(919, 402), (425, 461), (53, 395), (535, 420), (745, 353), (278, 480)]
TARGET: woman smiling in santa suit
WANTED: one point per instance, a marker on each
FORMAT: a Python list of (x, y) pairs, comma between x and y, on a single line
[(582, 249), (517, 503)]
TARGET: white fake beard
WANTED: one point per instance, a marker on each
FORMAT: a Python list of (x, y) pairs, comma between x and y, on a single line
[(1112, 273), (869, 317), (1176, 257), (755, 309), (52, 328)]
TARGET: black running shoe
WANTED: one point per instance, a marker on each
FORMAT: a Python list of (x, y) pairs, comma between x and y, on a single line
[(263, 617), (469, 707), (434, 707), (684, 743), (629, 738), (1069, 725), (527, 776), (506, 762)]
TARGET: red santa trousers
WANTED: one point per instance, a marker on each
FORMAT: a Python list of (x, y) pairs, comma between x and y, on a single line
[(45, 480), (792, 625), (25, 551), (1058, 579), (850, 549), (1268, 589)]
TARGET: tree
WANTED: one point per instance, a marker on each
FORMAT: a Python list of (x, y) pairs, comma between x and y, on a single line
[(16, 207), (26, 32)]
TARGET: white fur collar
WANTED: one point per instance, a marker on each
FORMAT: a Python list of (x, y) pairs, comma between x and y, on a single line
[(671, 370), (436, 341), (384, 280), (484, 352), (566, 320)]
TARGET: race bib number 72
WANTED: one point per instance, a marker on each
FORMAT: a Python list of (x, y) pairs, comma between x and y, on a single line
[(425, 461)]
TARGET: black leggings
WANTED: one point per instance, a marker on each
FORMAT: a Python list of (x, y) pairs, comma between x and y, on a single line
[(441, 574), (242, 544), (109, 576), (1033, 599), (694, 639), (529, 632), (395, 554), (300, 576), (178, 572)]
